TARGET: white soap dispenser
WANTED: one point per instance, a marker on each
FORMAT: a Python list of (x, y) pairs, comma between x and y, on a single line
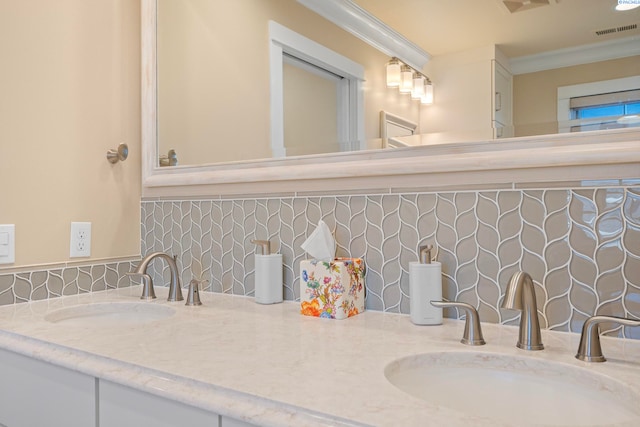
[(268, 275), (425, 285)]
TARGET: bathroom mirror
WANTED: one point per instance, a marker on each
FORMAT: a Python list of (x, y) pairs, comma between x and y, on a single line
[(242, 111)]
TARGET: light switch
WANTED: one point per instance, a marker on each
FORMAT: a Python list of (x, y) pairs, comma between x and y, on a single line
[(7, 243)]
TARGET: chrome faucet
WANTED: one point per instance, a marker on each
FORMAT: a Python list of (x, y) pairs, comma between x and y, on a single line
[(521, 295), (589, 349), (472, 330), (175, 290)]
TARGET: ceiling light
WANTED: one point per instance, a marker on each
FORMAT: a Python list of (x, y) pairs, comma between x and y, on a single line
[(627, 5)]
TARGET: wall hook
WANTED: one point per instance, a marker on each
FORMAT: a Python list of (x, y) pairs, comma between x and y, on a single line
[(120, 154)]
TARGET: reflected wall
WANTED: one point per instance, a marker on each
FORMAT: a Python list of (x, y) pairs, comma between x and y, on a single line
[(213, 78), (535, 94)]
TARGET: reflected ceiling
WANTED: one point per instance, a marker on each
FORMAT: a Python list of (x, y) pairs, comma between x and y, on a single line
[(447, 26)]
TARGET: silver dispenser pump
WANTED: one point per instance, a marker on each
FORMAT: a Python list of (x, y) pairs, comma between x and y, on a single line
[(425, 254), (264, 245)]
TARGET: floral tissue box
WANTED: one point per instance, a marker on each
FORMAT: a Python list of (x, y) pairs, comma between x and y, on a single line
[(332, 289)]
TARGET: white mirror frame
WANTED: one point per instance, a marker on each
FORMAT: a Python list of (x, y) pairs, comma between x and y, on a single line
[(427, 165)]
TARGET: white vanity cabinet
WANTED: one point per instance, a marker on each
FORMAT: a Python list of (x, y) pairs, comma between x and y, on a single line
[(35, 393), (122, 406)]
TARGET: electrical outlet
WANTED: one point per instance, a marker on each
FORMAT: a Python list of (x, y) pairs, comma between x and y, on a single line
[(80, 245)]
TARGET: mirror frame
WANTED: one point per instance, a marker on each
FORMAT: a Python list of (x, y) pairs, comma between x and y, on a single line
[(435, 163)]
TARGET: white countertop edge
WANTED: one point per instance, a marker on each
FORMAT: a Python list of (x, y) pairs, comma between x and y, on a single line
[(209, 397)]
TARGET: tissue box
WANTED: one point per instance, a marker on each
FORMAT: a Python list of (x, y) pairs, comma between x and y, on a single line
[(332, 289)]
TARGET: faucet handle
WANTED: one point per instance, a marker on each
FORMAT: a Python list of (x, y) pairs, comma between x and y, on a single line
[(472, 329), (193, 296), (147, 285), (589, 349)]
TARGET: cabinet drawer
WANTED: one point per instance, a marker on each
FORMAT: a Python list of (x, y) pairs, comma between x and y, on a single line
[(121, 406)]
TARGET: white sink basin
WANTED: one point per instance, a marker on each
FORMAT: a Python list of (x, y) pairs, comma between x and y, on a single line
[(110, 314), (516, 390)]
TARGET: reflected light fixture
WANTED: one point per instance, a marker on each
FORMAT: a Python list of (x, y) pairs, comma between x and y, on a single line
[(393, 73), (406, 79), (427, 98), (409, 80), (417, 91)]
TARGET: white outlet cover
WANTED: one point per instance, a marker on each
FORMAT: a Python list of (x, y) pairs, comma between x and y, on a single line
[(80, 240), (7, 243)]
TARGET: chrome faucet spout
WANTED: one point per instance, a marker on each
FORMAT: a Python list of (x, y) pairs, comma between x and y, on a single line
[(521, 295), (175, 289)]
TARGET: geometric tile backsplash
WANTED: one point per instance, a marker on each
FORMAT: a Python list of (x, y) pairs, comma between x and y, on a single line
[(44, 283), (581, 246)]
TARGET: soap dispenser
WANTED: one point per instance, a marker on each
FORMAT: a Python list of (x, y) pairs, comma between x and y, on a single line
[(425, 285), (268, 274)]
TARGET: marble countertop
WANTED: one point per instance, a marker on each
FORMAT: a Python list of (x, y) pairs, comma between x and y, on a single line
[(271, 366)]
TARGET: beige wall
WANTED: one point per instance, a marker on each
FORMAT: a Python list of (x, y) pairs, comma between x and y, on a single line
[(69, 91), (536, 98), (223, 104), (462, 96)]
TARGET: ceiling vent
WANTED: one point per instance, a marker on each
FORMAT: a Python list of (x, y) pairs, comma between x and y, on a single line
[(615, 30), (514, 6)]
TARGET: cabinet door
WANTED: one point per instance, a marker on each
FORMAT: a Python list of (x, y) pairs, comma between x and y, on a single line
[(35, 393), (121, 406), (230, 422), (503, 100)]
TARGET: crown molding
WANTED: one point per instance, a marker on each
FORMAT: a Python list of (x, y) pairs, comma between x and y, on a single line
[(586, 54), (357, 21)]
